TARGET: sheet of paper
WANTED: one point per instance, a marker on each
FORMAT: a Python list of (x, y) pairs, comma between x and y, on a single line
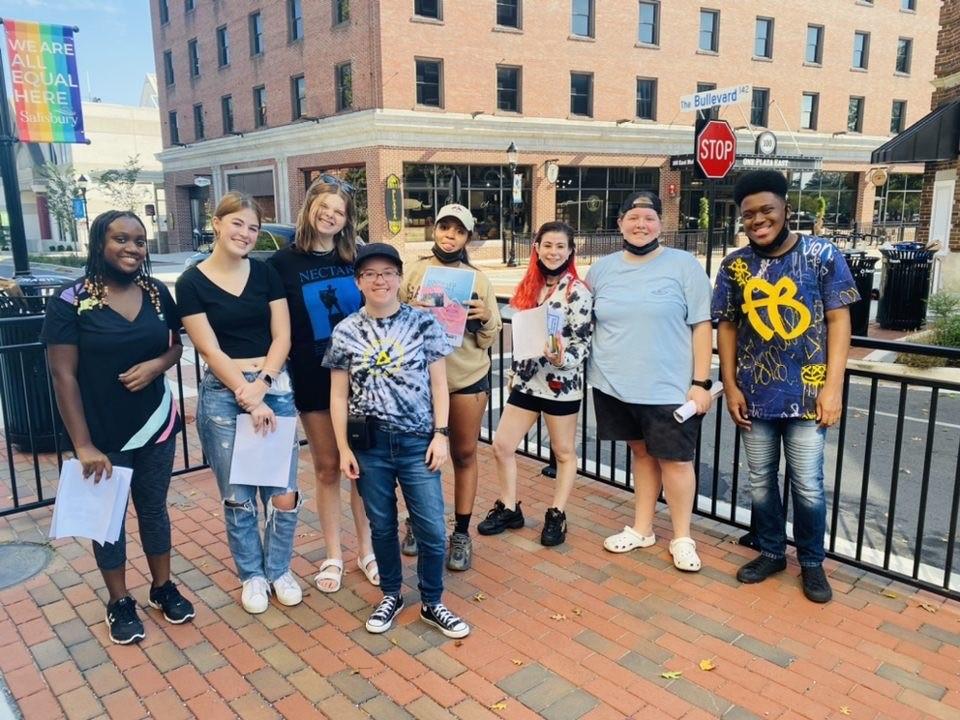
[(262, 460), (689, 408), (447, 291), (87, 509), (529, 333)]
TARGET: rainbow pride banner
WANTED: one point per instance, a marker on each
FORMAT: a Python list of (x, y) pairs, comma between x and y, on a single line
[(46, 85)]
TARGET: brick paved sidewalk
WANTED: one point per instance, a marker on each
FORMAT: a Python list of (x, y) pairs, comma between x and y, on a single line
[(557, 633)]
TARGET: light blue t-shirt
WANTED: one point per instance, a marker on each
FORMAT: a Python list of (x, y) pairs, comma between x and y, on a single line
[(642, 341)]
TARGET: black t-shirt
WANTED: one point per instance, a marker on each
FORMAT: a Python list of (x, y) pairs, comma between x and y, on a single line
[(240, 322), (107, 345)]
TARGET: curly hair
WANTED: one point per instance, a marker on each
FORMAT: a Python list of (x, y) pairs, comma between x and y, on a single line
[(528, 291), (93, 280), (344, 241)]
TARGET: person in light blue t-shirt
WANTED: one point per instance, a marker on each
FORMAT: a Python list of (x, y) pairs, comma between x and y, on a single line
[(652, 345)]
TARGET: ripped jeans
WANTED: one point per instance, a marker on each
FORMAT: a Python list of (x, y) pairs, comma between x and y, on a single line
[(217, 412)]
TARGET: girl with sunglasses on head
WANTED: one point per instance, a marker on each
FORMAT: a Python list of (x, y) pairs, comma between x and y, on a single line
[(467, 372), (318, 278), (110, 336)]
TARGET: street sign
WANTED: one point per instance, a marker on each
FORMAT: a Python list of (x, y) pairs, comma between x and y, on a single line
[(766, 143), (393, 204), (716, 98), (716, 149), (201, 182)]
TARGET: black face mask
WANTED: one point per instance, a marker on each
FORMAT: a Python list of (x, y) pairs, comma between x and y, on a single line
[(547, 272), (771, 249), (118, 276), (447, 257), (643, 249)]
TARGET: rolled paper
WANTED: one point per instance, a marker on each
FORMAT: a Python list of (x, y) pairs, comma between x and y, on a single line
[(689, 408)]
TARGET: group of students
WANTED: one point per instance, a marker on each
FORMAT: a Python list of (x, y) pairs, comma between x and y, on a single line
[(330, 329)]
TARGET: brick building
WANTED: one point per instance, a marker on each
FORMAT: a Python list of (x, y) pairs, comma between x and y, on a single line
[(263, 96)]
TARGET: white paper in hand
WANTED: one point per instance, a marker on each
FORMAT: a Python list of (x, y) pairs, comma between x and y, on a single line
[(529, 332), (689, 408), (262, 460), (87, 509)]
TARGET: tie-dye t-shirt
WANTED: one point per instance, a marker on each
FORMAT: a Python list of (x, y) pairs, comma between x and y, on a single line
[(779, 305), (387, 360)]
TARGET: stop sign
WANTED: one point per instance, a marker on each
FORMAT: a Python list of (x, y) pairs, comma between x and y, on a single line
[(716, 149)]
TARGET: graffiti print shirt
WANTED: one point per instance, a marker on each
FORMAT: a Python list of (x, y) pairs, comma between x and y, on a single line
[(572, 303), (779, 306), (388, 360)]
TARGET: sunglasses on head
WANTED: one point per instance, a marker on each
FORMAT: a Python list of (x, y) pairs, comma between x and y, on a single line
[(342, 184)]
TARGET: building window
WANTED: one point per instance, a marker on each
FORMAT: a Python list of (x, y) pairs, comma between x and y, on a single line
[(256, 33), (589, 198), (763, 39), (809, 109), (898, 116), (341, 11), (839, 189), (189, 5), (508, 88), (908, 5), (193, 55), (581, 18), (898, 200), (508, 13), (344, 79), (581, 94), (430, 83), (855, 114), (298, 96), (226, 111), (710, 113), (760, 107), (649, 33), (428, 9), (646, 98), (295, 19), (259, 106), (710, 30), (164, 12), (198, 131), (904, 55), (168, 67), (814, 51), (223, 46), (861, 50), (174, 128)]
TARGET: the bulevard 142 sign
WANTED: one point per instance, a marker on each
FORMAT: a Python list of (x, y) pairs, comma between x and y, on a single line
[(45, 82)]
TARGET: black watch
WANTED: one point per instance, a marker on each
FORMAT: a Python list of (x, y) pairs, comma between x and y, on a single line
[(445, 431), (705, 384)]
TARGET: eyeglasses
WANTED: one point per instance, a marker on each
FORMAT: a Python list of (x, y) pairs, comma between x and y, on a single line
[(342, 184), (371, 275)]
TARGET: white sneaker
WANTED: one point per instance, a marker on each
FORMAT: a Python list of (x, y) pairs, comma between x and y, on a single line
[(287, 589), (255, 596)]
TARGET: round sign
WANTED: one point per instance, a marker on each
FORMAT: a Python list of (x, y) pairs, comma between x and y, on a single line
[(593, 203), (878, 176), (201, 181), (716, 149), (766, 143), (553, 172)]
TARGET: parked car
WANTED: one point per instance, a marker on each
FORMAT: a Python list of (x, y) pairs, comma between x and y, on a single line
[(273, 236)]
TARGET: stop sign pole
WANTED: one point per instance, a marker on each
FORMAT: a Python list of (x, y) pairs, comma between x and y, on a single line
[(715, 152)]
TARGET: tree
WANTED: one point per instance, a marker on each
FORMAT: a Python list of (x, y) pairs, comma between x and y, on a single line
[(62, 188), (120, 185)]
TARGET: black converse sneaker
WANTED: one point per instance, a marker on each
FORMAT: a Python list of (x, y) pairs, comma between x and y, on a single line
[(382, 618), (175, 607), (123, 621), (444, 620)]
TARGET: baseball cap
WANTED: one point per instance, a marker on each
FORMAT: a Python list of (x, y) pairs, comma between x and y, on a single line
[(377, 250), (642, 199), (459, 212)]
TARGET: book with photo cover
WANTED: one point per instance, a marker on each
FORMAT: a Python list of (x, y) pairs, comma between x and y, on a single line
[(446, 292)]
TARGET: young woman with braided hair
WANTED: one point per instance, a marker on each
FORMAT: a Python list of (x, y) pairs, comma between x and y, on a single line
[(110, 337)]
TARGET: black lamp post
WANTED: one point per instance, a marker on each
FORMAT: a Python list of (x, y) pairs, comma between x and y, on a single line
[(512, 158), (82, 183)]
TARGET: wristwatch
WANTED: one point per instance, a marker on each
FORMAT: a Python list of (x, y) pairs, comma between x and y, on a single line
[(267, 378), (445, 431), (705, 384)]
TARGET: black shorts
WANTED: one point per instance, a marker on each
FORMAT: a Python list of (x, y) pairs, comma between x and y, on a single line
[(666, 439), (481, 385), (311, 384), (543, 405)]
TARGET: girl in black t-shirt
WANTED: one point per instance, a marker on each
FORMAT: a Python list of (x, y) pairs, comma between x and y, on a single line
[(110, 337), (317, 274)]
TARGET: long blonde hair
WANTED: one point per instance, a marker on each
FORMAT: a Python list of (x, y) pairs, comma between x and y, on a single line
[(233, 202), (344, 241)]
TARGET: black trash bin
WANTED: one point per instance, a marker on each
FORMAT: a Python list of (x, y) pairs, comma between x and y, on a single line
[(904, 286), (861, 267), (32, 420)]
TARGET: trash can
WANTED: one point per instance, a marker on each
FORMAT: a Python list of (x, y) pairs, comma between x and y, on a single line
[(31, 417), (904, 286), (861, 267)]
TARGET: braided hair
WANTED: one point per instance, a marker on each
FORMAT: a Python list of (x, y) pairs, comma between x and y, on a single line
[(93, 281)]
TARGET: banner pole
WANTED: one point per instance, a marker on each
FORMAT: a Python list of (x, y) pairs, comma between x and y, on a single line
[(11, 184)]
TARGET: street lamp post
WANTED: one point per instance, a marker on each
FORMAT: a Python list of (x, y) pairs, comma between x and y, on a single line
[(82, 183), (512, 158)]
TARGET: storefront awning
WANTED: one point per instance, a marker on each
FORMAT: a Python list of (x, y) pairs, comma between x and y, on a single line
[(934, 137)]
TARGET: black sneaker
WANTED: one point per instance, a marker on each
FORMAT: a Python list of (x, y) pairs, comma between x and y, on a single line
[(125, 626), (176, 608), (408, 546), (554, 528), (382, 618), (444, 620), (760, 568), (460, 552), (815, 584), (499, 519)]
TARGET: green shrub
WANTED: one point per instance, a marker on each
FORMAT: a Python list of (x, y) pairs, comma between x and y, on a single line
[(944, 331)]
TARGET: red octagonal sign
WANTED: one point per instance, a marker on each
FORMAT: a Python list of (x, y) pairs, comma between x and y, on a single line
[(716, 149)]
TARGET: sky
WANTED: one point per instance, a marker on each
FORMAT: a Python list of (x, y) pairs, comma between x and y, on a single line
[(114, 45)]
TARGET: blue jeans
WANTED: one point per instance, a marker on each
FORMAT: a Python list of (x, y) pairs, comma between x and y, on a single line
[(803, 442), (398, 458), (217, 412)]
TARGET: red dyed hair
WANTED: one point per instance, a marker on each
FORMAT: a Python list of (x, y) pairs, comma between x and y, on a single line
[(533, 281)]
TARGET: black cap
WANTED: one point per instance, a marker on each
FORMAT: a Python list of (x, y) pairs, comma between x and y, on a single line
[(373, 250), (642, 199), (759, 181)]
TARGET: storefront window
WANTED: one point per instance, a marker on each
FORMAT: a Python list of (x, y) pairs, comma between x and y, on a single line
[(898, 201), (839, 189), (589, 198)]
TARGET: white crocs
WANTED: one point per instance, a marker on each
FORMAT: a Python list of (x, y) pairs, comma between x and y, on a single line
[(684, 551), (628, 540)]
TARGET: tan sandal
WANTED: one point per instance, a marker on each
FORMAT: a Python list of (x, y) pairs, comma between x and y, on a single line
[(684, 551), (368, 565), (628, 540), (330, 569)]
